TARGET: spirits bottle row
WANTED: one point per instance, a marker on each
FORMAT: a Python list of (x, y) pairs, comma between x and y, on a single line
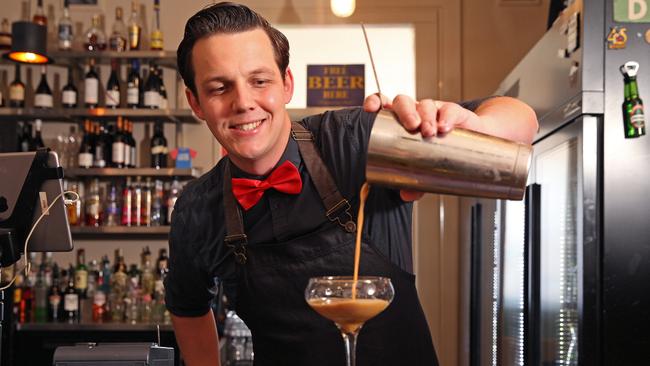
[(129, 35), (138, 91), (96, 291), (131, 203)]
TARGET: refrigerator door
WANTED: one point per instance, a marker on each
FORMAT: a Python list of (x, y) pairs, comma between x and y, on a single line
[(565, 168)]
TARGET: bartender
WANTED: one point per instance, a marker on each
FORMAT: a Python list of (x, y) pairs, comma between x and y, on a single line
[(256, 222)]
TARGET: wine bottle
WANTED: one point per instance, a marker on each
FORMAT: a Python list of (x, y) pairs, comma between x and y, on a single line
[(17, 90), (99, 157), (43, 96), (118, 145), (133, 85), (161, 88), (25, 141), (37, 141), (5, 35), (132, 144), (113, 87), (69, 92), (158, 147), (86, 149), (91, 86), (151, 94)]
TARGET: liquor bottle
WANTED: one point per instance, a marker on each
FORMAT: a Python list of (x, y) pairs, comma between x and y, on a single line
[(65, 29), (113, 86), (99, 302), (158, 146), (162, 264), (27, 300), (119, 143), (132, 144), (46, 263), (147, 198), (81, 274), (106, 274), (18, 296), (136, 203), (157, 212), (117, 41), (25, 142), (101, 147), (37, 141), (133, 85), (134, 27), (93, 205), (86, 149), (112, 208), (151, 94), (43, 96), (69, 92), (39, 15), (17, 90), (161, 89), (95, 39), (156, 41), (119, 279), (5, 35), (91, 86), (93, 273), (74, 210), (633, 113), (127, 199), (71, 299), (54, 296), (174, 192), (40, 298), (148, 276)]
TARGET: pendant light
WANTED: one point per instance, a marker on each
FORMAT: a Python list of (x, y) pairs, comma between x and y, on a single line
[(342, 8)]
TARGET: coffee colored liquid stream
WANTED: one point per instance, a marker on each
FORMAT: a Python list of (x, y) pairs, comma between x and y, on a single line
[(363, 195)]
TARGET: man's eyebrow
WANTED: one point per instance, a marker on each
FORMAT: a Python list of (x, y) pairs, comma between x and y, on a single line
[(262, 70)]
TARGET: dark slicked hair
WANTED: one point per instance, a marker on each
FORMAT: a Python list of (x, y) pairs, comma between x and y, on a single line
[(226, 17)]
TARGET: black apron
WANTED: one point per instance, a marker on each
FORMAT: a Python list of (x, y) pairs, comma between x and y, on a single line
[(272, 279)]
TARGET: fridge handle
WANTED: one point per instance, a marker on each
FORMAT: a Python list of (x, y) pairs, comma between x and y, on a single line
[(532, 342), (475, 286)]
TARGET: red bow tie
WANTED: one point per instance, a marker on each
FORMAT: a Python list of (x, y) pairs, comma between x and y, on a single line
[(284, 178)]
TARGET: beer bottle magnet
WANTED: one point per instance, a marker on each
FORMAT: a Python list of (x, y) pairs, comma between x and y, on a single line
[(633, 114)]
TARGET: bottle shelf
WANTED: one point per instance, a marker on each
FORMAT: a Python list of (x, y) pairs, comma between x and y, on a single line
[(65, 58), (77, 114), (122, 231), (132, 172), (99, 327)]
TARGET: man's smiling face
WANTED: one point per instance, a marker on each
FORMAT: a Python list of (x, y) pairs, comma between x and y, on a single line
[(241, 94)]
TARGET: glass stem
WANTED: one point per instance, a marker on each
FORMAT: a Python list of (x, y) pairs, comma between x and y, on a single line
[(350, 347)]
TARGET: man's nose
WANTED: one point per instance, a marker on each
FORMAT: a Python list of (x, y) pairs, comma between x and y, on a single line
[(243, 98)]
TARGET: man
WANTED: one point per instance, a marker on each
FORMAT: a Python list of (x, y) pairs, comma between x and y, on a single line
[(263, 245)]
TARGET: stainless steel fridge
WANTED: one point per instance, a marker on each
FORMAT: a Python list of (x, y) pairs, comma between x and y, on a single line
[(563, 277)]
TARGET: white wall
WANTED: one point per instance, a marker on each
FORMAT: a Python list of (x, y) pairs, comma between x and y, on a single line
[(393, 49)]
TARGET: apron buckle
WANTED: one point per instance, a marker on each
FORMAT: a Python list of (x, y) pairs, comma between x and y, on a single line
[(237, 243), (334, 214)]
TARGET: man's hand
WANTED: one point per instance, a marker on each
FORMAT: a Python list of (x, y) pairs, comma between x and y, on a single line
[(427, 117)]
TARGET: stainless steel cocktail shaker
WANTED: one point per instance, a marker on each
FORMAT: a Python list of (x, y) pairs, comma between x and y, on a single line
[(461, 162)]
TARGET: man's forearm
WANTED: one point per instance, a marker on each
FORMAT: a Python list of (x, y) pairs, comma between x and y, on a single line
[(197, 339), (508, 118)]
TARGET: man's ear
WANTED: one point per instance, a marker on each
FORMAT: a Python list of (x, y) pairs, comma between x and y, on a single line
[(288, 86), (194, 103)]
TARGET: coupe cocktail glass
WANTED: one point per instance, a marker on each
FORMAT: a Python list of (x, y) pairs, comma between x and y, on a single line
[(349, 304)]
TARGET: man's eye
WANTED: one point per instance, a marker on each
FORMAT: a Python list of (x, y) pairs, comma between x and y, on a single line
[(218, 90), (260, 82)]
